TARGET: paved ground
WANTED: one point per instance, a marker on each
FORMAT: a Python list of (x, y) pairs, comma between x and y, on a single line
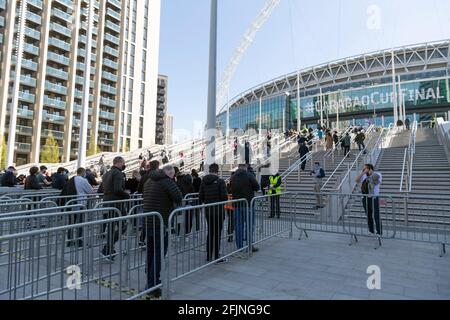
[(324, 267)]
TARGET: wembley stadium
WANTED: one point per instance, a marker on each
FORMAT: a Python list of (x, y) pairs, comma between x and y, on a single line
[(357, 90)]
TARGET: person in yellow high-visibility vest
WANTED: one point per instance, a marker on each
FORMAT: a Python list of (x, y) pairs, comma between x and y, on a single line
[(274, 192)]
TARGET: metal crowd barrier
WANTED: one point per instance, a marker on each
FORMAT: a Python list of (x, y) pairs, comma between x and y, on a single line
[(197, 241), (343, 214), (72, 262), (92, 199), (22, 221), (272, 216), (24, 205)]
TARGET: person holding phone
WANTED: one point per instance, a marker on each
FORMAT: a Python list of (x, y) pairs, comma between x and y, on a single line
[(370, 188)]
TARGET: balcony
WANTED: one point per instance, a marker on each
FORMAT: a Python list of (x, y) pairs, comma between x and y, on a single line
[(67, 3), (32, 33), (109, 76), (60, 29), (27, 97), (2, 21), (27, 64), (113, 14), (54, 118), (82, 39), (80, 95), (1, 38), (80, 80), (84, 27), (57, 88), (35, 3), (108, 102), (58, 58), (109, 89), (107, 115), (59, 44), (81, 66), (23, 147), (2, 4), (58, 135), (24, 130), (84, 13), (116, 3), (112, 51), (57, 73), (106, 128), (111, 25), (110, 64), (112, 38), (25, 113), (105, 141), (55, 103), (32, 17), (31, 49), (61, 14), (28, 80)]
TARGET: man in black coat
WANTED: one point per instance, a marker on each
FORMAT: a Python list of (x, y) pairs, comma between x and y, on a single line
[(9, 178), (213, 190), (244, 186), (304, 150), (161, 194), (113, 187), (153, 166)]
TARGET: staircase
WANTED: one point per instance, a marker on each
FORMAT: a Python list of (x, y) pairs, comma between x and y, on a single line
[(431, 178)]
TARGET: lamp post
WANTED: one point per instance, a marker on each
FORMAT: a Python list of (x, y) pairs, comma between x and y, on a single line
[(86, 85), (212, 85), (15, 98)]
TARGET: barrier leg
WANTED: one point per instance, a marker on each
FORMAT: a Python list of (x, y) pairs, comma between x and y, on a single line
[(302, 231), (443, 250), (378, 244), (353, 239)]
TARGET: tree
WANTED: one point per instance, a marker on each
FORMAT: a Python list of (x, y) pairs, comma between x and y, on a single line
[(2, 153), (93, 148), (50, 153)]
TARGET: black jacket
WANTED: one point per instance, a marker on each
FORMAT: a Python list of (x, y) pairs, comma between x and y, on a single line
[(91, 179), (161, 194), (144, 178), (113, 185), (9, 179), (31, 183), (213, 190), (304, 150), (184, 183), (58, 181), (197, 182), (244, 185)]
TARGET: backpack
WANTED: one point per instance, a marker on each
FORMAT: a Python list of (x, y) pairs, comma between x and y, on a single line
[(365, 186)]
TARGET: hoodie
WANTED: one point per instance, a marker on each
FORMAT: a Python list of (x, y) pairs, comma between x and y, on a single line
[(213, 190), (161, 194), (184, 183)]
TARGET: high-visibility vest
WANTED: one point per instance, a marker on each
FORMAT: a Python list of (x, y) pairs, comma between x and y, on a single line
[(229, 205), (273, 181)]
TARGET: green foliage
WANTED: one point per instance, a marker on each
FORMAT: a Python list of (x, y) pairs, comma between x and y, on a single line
[(50, 152)]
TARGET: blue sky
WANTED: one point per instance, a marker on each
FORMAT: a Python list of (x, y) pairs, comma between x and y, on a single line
[(299, 34)]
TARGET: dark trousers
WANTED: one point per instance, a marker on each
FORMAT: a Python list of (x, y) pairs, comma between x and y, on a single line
[(214, 218), (154, 253), (114, 229), (372, 209), (230, 215), (346, 150), (275, 206), (75, 219), (361, 146), (189, 220), (303, 165)]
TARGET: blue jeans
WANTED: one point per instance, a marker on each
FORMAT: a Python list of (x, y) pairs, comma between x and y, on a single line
[(241, 224)]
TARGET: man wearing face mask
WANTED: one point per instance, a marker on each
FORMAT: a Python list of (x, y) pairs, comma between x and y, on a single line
[(370, 188)]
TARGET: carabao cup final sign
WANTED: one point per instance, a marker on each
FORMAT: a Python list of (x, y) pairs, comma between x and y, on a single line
[(377, 100)]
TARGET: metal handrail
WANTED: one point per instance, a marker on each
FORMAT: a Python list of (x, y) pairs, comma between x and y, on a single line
[(379, 143), (408, 161), (345, 158)]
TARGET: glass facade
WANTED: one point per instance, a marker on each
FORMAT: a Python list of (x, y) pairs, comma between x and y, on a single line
[(356, 106)]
